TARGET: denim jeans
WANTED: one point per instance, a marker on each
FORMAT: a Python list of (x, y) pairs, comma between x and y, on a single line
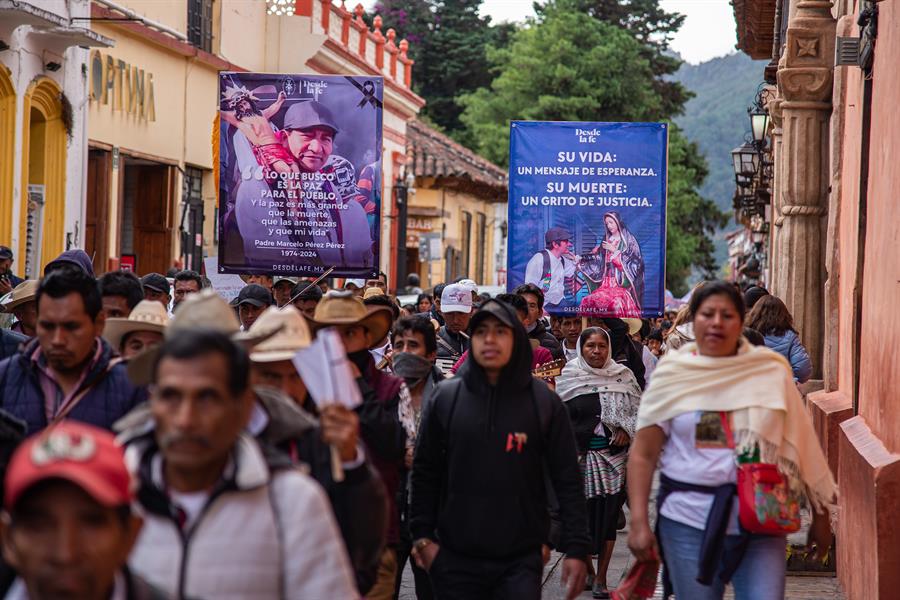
[(760, 575)]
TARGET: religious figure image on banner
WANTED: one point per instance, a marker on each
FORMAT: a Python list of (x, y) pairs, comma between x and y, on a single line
[(587, 214), (300, 174), (615, 271)]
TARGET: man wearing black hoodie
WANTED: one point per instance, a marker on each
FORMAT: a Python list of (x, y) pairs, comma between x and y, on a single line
[(479, 504)]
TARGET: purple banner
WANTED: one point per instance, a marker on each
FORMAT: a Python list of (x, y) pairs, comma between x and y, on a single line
[(299, 174)]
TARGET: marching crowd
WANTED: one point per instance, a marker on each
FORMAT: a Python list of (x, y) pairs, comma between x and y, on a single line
[(157, 441)]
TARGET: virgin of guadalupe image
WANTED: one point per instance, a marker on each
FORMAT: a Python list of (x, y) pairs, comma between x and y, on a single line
[(615, 271)]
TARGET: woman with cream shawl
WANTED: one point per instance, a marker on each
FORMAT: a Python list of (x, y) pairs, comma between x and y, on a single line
[(710, 402), (602, 400)]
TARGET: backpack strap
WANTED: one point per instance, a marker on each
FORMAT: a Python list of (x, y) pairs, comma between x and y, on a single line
[(547, 271)]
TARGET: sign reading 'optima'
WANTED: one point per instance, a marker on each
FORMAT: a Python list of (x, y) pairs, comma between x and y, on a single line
[(123, 86)]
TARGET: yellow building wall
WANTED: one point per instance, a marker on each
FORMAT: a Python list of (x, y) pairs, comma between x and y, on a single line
[(202, 84), (113, 125), (171, 13), (452, 204), (236, 19)]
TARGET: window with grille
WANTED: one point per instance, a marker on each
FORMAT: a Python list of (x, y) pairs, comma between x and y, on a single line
[(199, 23)]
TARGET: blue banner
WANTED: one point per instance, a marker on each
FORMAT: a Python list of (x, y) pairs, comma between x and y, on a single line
[(299, 174), (587, 216)]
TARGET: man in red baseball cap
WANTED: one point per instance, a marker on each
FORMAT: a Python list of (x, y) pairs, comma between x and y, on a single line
[(67, 527)]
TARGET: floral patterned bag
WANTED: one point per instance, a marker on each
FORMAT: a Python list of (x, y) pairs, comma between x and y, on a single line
[(766, 503)]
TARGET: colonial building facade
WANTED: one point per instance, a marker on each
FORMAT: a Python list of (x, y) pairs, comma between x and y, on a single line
[(456, 213), (836, 134), (43, 138), (151, 198)]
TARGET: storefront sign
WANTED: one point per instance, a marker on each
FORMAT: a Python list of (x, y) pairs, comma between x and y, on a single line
[(122, 86), (300, 164), (587, 216)]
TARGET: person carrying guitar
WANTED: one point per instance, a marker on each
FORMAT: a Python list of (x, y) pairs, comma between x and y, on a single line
[(542, 364)]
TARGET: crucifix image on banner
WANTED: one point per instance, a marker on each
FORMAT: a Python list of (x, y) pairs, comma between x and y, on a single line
[(300, 174)]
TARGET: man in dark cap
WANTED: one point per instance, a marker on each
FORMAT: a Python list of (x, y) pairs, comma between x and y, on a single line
[(310, 129), (156, 287), (553, 268), (309, 132), (306, 298), (8, 280), (251, 302)]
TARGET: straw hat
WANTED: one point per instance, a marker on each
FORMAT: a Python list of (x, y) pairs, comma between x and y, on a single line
[(293, 334), (203, 310), (372, 292), (21, 294), (148, 315), (634, 325), (343, 308)]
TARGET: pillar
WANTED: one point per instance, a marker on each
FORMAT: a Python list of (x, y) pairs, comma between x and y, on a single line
[(805, 83)]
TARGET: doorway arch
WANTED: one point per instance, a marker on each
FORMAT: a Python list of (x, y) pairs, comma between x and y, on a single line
[(44, 138), (7, 149)]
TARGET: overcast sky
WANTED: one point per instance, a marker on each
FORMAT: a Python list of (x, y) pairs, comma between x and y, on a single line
[(708, 29)]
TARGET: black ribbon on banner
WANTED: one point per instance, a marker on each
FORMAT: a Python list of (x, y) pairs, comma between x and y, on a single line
[(368, 92)]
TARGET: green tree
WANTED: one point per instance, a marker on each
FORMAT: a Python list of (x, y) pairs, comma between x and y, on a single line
[(548, 74), (449, 41), (691, 219), (602, 75), (652, 27)]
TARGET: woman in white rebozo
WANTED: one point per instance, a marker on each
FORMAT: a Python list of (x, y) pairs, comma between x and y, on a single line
[(710, 403), (602, 398)]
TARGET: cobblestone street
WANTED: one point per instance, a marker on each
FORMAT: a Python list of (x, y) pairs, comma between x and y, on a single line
[(798, 588)]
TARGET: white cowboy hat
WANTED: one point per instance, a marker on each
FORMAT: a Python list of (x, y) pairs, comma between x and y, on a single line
[(22, 293), (204, 310), (148, 315), (293, 334)]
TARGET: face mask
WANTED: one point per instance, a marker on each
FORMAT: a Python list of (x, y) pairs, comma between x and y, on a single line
[(411, 367), (360, 359)]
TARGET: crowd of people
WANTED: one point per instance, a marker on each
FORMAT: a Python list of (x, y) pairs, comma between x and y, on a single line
[(158, 441)]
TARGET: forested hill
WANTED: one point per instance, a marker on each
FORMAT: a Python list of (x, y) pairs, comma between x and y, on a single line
[(716, 117)]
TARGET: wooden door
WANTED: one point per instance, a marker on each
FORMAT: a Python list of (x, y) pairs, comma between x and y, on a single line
[(96, 217), (152, 221)]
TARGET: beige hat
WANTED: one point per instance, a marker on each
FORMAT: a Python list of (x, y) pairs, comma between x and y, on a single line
[(372, 292), (293, 334), (148, 315), (21, 294), (634, 325), (343, 308), (203, 310)]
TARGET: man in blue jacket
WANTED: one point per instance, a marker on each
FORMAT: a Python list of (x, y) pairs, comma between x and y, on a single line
[(67, 370)]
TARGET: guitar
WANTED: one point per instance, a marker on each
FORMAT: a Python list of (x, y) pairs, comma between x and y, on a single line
[(549, 370)]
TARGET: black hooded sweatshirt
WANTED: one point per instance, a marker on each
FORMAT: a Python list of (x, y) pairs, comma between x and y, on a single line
[(478, 473)]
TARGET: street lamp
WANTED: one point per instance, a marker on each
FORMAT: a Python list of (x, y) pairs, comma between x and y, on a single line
[(745, 159), (759, 124)]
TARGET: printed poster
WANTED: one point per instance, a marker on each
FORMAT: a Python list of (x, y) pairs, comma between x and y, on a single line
[(300, 174), (587, 216)]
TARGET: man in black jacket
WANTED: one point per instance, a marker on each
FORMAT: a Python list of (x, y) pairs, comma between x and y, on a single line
[(479, 503), (534, 325)]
